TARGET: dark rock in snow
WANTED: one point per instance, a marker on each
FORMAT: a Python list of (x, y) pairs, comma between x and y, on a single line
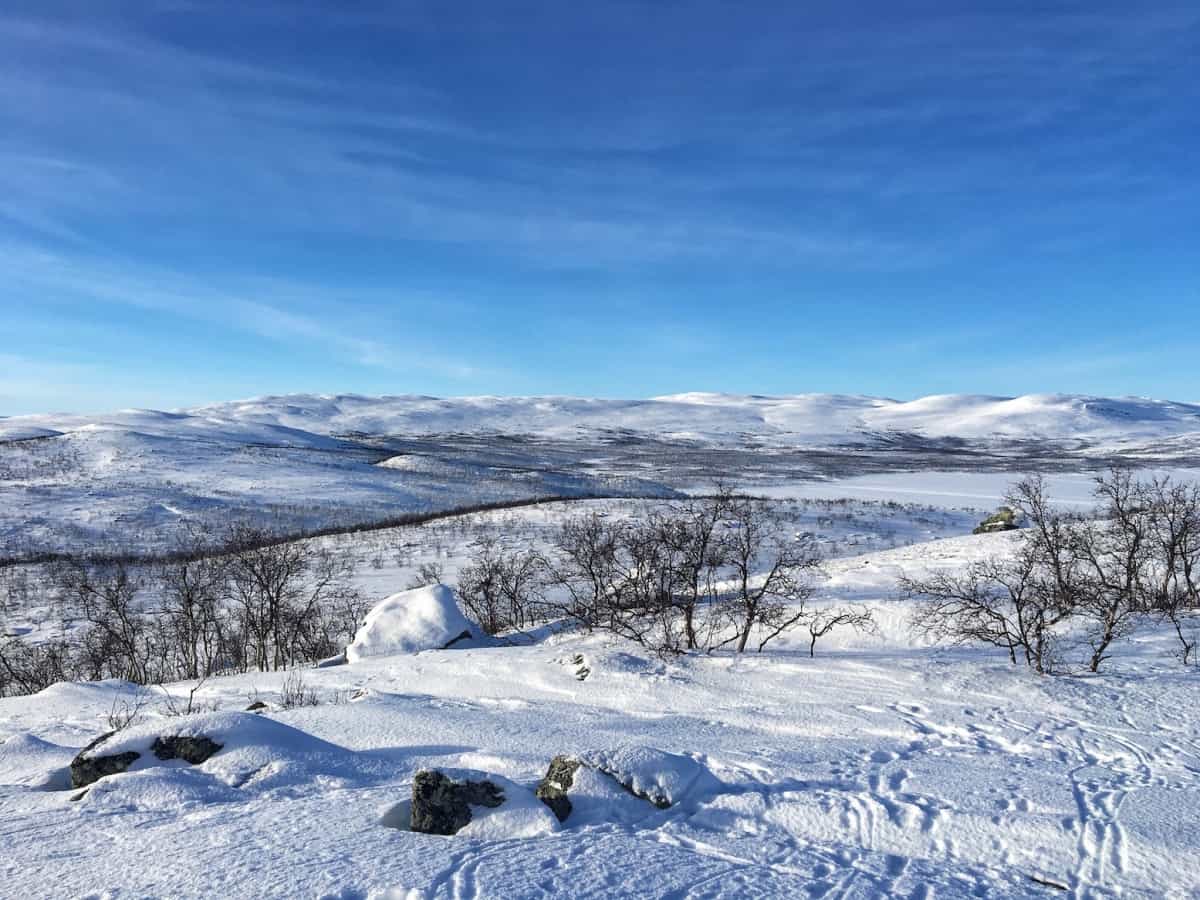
[(552, 790), (465, 636), (647, 773), (1003, 519), (257, 706), (441, 805), (87, 770), (194, 750)]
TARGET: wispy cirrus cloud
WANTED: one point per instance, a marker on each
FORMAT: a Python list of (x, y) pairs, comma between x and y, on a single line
[(270, 309), (362, 179)]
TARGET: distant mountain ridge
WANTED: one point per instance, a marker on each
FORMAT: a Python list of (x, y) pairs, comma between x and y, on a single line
[(790, 420)]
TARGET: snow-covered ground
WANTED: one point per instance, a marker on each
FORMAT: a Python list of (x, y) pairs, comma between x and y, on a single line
[(391, 558), (966, 490), (881, 767), (304, 462)]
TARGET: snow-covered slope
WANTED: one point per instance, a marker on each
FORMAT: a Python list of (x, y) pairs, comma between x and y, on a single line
[(315, 461), (802, 418), (810, 417), (879, 768)]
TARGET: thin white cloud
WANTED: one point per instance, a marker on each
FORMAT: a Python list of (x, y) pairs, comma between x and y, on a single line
[(36, 273)]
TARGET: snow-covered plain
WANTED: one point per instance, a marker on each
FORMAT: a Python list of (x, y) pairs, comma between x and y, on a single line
[(307, 462), (881, 767)]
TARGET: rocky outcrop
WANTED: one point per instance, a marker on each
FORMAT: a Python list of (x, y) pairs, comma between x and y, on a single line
[(89, 766), (87, 769), (465, 636), (441, 805), (1003, 519), (194, 750), (552, 789), (655, 776)]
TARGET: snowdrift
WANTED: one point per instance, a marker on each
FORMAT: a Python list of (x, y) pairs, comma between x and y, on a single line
[(257, 754)]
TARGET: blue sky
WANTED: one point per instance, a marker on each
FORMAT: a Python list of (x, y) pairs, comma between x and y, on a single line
[(204, 201)]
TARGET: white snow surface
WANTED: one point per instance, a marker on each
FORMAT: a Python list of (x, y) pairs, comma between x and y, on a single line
[(301, 419), (425, 618), (882, 767), (661, 777), (307, 462)]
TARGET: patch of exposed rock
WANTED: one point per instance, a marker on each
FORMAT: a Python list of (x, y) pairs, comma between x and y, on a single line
[(441, 805), (87, 769), (194, 750)]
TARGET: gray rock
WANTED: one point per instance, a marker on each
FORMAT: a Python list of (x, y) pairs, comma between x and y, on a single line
[(194, 750), (86, 770), (552, 790), (441, 805)]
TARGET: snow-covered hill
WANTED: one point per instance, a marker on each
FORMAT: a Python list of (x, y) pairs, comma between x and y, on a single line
[(315, 461), (820, 419)]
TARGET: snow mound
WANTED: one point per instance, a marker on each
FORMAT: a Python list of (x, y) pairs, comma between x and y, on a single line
[(28, 760), (662, 778), (257, 754), (597, 799), (427, 618)]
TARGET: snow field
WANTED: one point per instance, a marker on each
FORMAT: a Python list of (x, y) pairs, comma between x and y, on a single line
[(878, 768)]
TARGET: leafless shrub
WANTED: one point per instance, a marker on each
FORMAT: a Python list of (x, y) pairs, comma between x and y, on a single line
[(684, 578), (772, 575), (294, 693), (1136, 557), (823, 621), (281, 592), (501, 589), (427, 573), (125, 711), (174, 706), (26, 668)]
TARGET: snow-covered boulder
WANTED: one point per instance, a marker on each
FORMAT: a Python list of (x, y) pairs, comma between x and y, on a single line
[(90, 765), (601, 784), (427, 618), (470, 803), (658, 776), (213, 757)]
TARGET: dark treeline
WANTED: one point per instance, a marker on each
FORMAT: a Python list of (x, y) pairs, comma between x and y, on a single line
[(277, 535), (1076, 580)]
